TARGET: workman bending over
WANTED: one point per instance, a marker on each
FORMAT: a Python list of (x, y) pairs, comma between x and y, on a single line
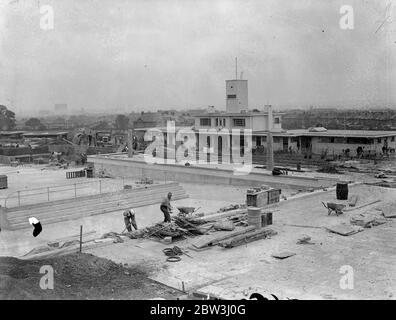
[(166, 207), (129, 219)]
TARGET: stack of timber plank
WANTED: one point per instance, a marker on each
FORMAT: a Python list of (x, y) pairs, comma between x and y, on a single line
[(247, 237), (214, 239)]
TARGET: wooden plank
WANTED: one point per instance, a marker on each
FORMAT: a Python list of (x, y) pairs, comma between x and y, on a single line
[(343, 229), (211, 240), (247, 237), (353, 200), (283, 254), (362, 206)]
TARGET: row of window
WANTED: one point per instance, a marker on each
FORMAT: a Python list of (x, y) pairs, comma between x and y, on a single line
[(351, 140), (222, 122)]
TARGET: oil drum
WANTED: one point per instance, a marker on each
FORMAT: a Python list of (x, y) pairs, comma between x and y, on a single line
[(342, 191)]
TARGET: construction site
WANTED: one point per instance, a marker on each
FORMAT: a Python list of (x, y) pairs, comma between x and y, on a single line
[(298, 229), (212, 211), (197, 150)]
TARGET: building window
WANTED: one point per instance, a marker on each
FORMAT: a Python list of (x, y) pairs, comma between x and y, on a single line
[(379, 140), (393, 139), (205, 121), (239, 122), (231, 96), (331, 140), (276, 120), (217, 122), (224, 122), (258, 141)]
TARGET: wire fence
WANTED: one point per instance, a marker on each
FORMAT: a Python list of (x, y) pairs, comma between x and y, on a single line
[(66, 191)]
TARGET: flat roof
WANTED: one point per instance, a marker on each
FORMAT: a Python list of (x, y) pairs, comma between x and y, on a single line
[(237, 114), (163, 128), (45, 134), (331, 133)]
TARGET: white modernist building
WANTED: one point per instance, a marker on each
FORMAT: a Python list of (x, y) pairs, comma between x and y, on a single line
[(306, 141)]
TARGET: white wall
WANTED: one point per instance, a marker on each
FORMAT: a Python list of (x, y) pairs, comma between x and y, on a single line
[(240, 89)]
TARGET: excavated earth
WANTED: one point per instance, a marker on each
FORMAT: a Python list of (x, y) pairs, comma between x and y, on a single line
[(79, 276)]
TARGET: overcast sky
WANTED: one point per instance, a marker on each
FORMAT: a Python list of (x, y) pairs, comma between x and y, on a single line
[(153, 54)]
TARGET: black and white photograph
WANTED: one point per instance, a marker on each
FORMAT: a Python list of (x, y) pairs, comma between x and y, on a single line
[(226, 152)]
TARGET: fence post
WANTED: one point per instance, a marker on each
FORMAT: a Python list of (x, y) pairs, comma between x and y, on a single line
[(48, 193), (81, 229), (19, 198), (75, 190), (100, 186)]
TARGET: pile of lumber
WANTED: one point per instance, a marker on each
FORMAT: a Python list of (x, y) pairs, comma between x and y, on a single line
[(232, 207), (180, 228), (247, 237), (233, 238)]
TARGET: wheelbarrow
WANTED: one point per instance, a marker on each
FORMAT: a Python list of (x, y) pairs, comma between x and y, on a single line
[(185, 211)]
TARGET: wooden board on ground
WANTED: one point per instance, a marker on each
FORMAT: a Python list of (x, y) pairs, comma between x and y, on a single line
[(362, 206), (283, 254), (388, 210), (214, 239), (344, 229), (245, 238)]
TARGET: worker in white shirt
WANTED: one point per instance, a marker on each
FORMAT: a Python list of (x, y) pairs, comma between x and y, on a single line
[(36, 225)]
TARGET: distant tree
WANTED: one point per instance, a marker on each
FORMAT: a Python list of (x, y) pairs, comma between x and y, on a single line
[(7, 118), (34, 123), (121, 122), (102, 125)]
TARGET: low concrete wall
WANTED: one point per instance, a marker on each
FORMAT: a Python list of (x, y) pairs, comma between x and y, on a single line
[(130, 168), (4, 224)]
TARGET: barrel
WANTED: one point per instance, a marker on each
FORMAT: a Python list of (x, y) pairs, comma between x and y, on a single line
[(90, 173), (342, 191), (254, 217)]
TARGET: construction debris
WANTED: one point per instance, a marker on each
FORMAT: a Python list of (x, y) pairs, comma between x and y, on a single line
[(367, 219), (283, 255), (114, 235), (232, 207), (247, 237), (224, 225), (388, 210), (329, 169), (212, 240), (363, 205), (173, 254), (304, 239), (344, 229)]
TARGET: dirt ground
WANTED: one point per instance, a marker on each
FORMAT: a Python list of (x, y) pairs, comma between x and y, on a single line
[(79, 276)]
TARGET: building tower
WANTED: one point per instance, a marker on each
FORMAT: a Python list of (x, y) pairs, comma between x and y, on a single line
[(236, 93), (236, 96)]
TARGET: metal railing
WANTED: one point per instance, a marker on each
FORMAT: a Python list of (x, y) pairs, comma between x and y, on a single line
[(60, 192)]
